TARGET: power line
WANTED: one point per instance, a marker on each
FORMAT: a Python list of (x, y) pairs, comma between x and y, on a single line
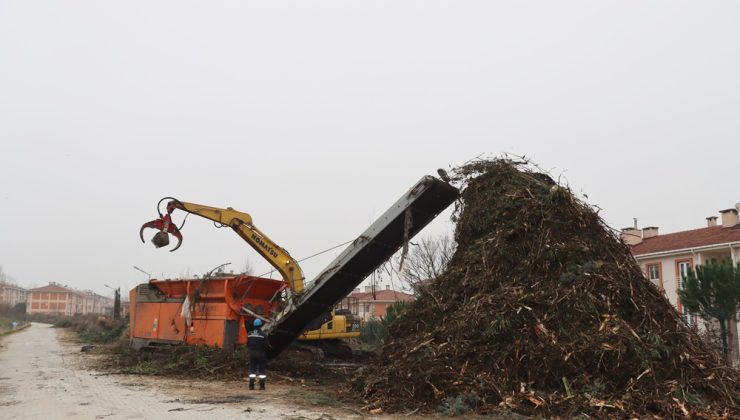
[(314, 255)]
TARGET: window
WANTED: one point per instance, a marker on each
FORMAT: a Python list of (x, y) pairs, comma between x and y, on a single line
[(654, 275), (682, 270)]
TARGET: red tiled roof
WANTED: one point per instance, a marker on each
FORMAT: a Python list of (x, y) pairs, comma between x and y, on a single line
[(51, 288), (714, 235), (383, 295)]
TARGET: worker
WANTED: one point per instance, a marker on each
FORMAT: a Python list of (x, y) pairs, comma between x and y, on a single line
[(257, 344)]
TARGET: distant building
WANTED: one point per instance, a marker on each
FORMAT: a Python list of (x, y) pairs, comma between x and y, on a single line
[(374, 305), (124, 308), (97, 304), (665, 258), (11, 294), (55, 299)]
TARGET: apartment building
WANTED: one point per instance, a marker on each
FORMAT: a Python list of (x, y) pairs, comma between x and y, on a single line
[(54, 299), (666, 258), (11, 294), (373, 305), (97, 304)]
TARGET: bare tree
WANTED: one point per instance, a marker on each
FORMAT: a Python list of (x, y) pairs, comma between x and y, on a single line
[(188, 273), (427, 259), (247, 268), (5, 277)]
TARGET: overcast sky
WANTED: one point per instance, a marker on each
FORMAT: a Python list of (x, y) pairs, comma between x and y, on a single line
[(314, 117)]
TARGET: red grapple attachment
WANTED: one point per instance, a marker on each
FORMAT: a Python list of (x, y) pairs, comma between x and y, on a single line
[(166, 227)]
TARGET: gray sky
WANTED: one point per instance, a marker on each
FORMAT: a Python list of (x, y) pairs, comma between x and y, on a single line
[(315, 116)]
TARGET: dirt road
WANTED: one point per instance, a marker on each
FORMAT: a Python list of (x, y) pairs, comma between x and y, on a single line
[(44, 375)]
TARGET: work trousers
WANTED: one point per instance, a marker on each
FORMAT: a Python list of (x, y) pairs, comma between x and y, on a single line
[(257, 364)]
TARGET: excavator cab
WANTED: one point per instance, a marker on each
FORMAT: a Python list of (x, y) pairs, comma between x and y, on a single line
[(325, 334), (340, 322)]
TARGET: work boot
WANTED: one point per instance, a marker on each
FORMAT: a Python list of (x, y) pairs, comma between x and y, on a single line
[(262, 384), (251, 383)]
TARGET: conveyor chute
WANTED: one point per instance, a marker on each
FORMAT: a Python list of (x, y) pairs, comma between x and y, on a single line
[(424, 201)]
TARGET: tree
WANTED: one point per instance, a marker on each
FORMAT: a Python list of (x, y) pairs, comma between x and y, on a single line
[(5, 277), (117, 304), (713, 292), (247, 268), (427, 259), (20, 307)]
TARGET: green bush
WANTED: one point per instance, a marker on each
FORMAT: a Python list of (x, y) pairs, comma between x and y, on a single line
[(93, 327), (375, 331)]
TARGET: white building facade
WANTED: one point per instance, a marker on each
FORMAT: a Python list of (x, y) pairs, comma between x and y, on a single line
[(665, 259)]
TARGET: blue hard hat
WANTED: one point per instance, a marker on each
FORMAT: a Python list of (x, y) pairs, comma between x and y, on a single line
[(257, 323)]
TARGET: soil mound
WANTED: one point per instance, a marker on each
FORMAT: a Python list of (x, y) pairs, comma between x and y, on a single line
[(543, 311)]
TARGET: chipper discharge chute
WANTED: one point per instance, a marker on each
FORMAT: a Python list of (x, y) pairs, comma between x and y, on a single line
[(414, 210)]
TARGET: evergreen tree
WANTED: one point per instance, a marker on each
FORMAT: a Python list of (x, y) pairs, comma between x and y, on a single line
[(713, 292)]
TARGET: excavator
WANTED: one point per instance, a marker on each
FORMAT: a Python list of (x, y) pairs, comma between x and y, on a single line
[(214, 311), (322, 331)]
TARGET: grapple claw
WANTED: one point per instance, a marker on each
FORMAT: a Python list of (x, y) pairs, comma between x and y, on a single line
[(177, 235), (165, 227), (144, 226)]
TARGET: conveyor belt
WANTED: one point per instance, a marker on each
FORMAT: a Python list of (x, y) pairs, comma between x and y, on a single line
[(377, 244)]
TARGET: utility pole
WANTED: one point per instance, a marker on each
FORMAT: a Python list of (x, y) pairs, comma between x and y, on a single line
[(139, 269)]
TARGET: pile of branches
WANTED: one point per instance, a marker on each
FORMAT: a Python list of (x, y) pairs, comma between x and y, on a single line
[(210, 363), (543, 311)]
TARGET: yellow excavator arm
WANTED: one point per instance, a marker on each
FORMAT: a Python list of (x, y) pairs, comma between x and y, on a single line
[(242, 224)]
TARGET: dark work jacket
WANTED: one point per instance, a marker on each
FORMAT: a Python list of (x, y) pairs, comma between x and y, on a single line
[(257, 341)]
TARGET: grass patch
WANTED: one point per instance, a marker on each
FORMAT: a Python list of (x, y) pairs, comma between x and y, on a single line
[(320, 399)]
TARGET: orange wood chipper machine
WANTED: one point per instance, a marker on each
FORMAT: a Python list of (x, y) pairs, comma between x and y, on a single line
[(212, 312), (199, 311)]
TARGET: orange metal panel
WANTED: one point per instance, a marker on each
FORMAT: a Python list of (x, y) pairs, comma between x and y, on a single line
[(171, 323), (132, 312), (209, 332), (147, 320), (213, 310)]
